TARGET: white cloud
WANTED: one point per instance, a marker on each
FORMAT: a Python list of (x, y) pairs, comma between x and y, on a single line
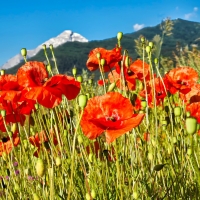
[(195, 9), (189, 15), (137, 27), (192, 14)]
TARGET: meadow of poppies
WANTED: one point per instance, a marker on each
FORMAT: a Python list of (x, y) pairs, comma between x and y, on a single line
[(133, 134)]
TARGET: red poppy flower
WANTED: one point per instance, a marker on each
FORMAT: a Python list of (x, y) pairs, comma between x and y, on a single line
[(181, 79), (100, 82), (6, 145), (194, 109), (111, 113), (38, 139), (112, 57), (136, 68), (47, 92)]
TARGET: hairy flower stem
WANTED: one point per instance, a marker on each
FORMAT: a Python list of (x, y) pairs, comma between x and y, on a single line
[(73, 156)]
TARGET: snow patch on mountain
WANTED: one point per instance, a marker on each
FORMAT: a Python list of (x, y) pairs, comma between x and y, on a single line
[(66, 36)]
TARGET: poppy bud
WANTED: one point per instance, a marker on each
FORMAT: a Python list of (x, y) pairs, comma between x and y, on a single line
[(119, 35), (148, 49), (93, 194), (4, 156), (74, 71), (82, 100), (191, 125), (14, 127), (25, 143), (87, 196), (80, 139), (102, 62), (151, 44), (177, 111), (79, 79), (90, 81), (189, 151), (127, 61), (36, 106), (35, 196), (51, 47), (140, 85), (40, 168), (2, 72), (111, 87), (187, 114), (135, 195), (58, 161), (23, 52), (49, 68), (143, 104), (3, 113), (156, 60), (98, 55), (142, 39), (44, 46)]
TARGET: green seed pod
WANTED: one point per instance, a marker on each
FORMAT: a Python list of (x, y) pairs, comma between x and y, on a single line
[(119, 36), (23, 52), (91, 156), (74, 71), (87, 196), (14, 127), (44, 46), (102, 62), (142, 39), (187, 114), (58, 161), (82, 100), (98, 55), (127, 61), (177, 111), (174, 140), (191, 125), (164, 123), (3, 113), (35, 196), (156, 60), (150, 156), (151, 44), (49, 68), (79, 79), (143, 104), (51, 46), (40, 168), (80, 139), (148, 49), (36, 106), (135, 195), (111, 87), (2, 72), (189, 151), (93, 194), (90, 81)]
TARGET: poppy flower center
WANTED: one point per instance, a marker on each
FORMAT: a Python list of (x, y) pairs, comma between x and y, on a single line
[(5, 139), (114, 117), (182, 82)]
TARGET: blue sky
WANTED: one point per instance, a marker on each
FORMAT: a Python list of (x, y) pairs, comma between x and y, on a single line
[(30, 23)]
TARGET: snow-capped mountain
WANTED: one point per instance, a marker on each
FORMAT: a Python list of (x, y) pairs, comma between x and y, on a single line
[(66, 36)]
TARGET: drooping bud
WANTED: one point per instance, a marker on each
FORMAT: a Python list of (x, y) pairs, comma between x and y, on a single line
[(3, 113), (44, 46), (156, 60), (98, 55), (51, 47), (151, 44), (111, 87), (142, 39), (127, 61)]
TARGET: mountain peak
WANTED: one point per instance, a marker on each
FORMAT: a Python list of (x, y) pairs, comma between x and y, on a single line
[(65, 36)]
